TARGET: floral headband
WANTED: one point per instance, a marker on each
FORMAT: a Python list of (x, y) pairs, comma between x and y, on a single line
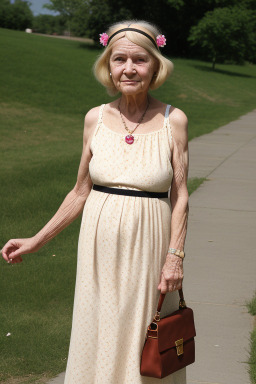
[(160, 39)]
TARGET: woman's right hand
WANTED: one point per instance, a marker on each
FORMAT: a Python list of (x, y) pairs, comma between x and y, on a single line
[(14, 248)]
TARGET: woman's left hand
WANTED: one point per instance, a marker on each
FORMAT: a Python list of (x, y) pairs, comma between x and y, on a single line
[(172, 274)]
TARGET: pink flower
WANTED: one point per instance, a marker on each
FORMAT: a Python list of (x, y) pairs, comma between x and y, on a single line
[(161, 40), (104, 39)]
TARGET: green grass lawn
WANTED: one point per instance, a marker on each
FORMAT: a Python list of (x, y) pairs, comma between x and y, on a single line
[(252, 362), (47, 87)]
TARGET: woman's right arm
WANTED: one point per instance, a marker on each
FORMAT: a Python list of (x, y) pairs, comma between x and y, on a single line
[(71, 207)]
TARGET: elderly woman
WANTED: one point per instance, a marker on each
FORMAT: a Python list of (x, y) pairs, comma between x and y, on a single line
[(132, 190)]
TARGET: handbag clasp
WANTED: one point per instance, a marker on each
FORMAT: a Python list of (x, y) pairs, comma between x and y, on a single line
[(157, 316), (179, 346), (182, 304)]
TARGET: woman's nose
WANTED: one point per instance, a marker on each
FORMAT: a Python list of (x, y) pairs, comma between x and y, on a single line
[(129, 67)]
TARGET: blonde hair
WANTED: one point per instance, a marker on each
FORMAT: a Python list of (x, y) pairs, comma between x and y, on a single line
[(101, 66)]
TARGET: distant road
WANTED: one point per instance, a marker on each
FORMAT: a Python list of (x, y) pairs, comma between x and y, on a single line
[(82, 39)]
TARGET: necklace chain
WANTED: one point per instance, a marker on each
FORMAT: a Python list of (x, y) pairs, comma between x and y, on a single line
[(140, 120)]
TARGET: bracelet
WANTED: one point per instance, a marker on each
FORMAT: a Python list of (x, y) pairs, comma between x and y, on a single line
[(177, 252)]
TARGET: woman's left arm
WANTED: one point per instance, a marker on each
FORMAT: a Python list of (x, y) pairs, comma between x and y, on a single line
[(172, 271)]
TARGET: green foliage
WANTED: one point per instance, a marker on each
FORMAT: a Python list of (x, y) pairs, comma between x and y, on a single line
[(251, 305), (73, 12), (175, 18), (194, 183), (226, 34), (5, 8), (104, 13), (252, 360), (15, 15), (64, 7), (49, 24), (79, 21)]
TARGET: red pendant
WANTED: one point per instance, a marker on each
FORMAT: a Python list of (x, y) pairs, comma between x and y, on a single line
[(129, 139)]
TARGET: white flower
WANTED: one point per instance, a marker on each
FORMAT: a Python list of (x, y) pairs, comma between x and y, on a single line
[(8, 334)]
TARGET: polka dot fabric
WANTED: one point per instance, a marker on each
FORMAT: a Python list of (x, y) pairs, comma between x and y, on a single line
[(122, 247)]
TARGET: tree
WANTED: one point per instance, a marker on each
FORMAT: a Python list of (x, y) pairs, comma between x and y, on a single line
[(79, 23), (15, 16), (103, 13), (67, 8), (174, 17), (5, 10), (226, 34), (22, 16), (49, 24)]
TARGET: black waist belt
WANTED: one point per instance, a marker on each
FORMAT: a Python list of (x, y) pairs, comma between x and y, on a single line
[(129, 192)]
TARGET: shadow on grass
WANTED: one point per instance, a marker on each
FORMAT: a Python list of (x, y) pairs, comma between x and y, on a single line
[(221, 71)]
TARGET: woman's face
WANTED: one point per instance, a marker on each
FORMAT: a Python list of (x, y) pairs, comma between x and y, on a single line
[(132, 67)]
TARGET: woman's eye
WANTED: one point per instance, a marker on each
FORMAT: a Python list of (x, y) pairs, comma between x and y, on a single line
[(118, 59)]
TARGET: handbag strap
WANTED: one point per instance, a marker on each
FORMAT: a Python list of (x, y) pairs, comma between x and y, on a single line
[(182, 303)]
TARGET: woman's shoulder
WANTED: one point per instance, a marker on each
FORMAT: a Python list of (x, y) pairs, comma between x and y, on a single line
[(92, 115), (179, 124), (90, 122), (177, 117)]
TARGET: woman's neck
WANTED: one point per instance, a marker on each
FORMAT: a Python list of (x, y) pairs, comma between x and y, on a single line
[(132, 105)]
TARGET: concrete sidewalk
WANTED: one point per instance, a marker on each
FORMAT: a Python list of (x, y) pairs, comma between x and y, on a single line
[(220, 267), (220, 264)]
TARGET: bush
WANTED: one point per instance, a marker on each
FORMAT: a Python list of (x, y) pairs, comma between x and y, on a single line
[(15, 16), (226, 34), (49, 24)]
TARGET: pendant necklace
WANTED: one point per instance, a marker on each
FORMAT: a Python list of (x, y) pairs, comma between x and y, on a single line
[(130, 138)]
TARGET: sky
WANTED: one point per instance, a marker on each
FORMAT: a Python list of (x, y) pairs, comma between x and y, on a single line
[(37, 7)]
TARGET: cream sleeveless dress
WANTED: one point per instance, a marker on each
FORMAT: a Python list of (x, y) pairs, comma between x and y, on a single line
[(122, 247)]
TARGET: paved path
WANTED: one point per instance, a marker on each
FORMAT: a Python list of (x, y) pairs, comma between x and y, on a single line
[(220, 268), (220, 264)]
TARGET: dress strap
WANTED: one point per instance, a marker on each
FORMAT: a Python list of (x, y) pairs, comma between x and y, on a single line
[(167, 112), (167, 120), (98, 125), (100, 114), (99, 119)]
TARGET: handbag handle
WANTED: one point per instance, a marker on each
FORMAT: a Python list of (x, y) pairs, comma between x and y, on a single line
[(182, 303)]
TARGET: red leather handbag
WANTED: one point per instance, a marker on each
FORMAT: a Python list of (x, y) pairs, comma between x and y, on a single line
[(169, 344)]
